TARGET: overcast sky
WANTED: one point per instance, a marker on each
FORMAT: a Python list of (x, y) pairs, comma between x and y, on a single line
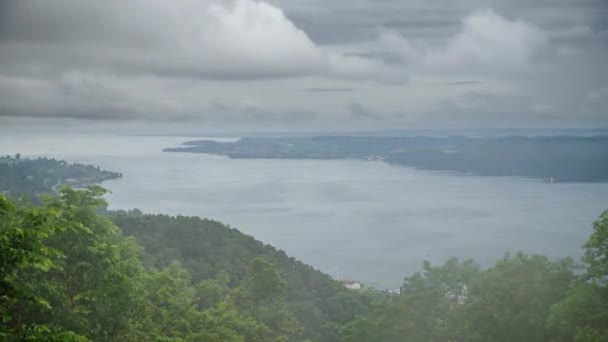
[(305, 64)]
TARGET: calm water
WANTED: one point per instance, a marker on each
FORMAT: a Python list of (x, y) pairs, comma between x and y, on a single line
[(373, 222)]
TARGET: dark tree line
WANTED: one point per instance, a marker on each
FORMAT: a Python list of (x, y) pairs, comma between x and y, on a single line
[(21, 176), (561, 158)]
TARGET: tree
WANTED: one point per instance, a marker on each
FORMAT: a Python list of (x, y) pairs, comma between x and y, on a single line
[(596, 252), (264, 296), (459, 301), (512, 300), (24, 231), (583, 314), (68, 274), (95, 289), (430, 307), (265, 282), (220, 258), (66, 270)]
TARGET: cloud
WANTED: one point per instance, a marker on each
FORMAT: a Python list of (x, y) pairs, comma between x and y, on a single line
[(358, 110), (598, 94), (235, 39), (330, 89), (393, 48), (572, 32), (490, 41), (314, 63), (487, 43), (365, 68), (73, 96)]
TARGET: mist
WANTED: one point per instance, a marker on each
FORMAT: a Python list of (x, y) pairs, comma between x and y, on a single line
[(303, 170)]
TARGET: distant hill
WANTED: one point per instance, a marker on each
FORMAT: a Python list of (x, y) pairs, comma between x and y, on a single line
[(22, 176), (552, 158)]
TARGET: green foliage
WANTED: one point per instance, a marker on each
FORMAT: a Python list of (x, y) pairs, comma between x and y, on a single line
[(69, 274), (51, 256), (211, 292), (265, 281), (596, 251), (257, 273), (31, 177), (520, 298), (512, 300), (95, 288), (460, 302), (583, 314), (23, 233)]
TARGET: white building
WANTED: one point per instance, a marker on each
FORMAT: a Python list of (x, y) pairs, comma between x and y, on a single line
[(352, 285)]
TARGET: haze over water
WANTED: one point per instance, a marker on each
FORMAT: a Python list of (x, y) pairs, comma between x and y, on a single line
[(371, 221)]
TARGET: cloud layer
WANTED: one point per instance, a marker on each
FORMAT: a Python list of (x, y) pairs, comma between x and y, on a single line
[(307, 63), (182, 38)]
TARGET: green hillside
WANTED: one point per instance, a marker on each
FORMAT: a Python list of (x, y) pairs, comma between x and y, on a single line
[(209, 248)]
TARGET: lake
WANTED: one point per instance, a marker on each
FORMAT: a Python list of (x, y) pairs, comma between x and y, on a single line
[(366, 221)]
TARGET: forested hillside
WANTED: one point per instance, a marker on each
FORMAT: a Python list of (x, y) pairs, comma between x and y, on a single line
[(208, 249), (559, 158), (69, 274), (521, 298), (22, 176)]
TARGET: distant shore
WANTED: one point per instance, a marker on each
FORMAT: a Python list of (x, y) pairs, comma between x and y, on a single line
[(550, 158)]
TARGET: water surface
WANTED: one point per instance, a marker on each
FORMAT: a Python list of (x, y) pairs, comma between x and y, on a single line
[(370, 221)]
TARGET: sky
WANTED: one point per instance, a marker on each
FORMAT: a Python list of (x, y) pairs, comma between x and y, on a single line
[(298, 65)]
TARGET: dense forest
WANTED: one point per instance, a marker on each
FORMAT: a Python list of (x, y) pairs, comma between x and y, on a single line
[(72, 271), (69, 273), (555, 158), (208, 249), (22, 176)]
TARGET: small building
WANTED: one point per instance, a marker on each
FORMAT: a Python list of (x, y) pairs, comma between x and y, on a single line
[(394, 292), (352, 285)]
